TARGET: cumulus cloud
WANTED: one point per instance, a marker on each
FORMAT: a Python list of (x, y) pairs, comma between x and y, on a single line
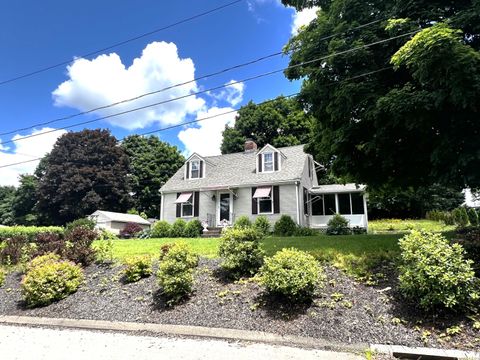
[(105, 79), (302, 18), (25, 150), (206, 138), (232, 94)]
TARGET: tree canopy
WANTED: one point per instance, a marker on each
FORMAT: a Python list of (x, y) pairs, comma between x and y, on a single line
[(414, 120), (152, 163), (7, 195), (281, 122), (85, 171), (24, 201)]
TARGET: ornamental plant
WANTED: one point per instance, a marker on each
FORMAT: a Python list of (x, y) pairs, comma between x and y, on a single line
[(435, 274), (338, 225), (460, 217), (241, 252), (285, 226), (130, 230), (472, 217), (293, 274), (242, 222), (3, 275), (262, 225), (161, 229), (193, 229), (178, 228), (137, 268)]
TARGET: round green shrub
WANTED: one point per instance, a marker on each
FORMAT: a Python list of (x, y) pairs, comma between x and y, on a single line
[(285, 226), (194, 229), (460, 217), (472, 217), (137, 267), (242, 222), (306, 231), (241, 252), (262, 225), (434, 273), (161, 229), (86, 222), (338, 225), (178, 228), (292, 273), (49, 280)]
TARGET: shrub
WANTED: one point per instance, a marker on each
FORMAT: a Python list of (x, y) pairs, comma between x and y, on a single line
[(241, 253), (242, 222), (262, 225), (50, 280), (175, 273), (305, 231), (285, 226), (358, 230), (291, 273), (3, 275), (161, 229), (29, 232), (42, 260), (338, 225), (469, 238), (178, 228), (460, 216), (137, 268), (130, 230), (145, 234), (193, 229), (49, 242), (104, 234), (11, 250), (435, 273), (103, 251), (86, 222), (79, 245), (472, 217), (164, 249)]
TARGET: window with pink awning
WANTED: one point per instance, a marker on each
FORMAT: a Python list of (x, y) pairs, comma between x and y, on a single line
[(183, 198), (262, 192)]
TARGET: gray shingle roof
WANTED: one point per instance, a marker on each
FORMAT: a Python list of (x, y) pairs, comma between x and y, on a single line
[(233, 170)]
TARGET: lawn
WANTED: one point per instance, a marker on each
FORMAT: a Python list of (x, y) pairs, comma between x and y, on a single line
[(402, 226)]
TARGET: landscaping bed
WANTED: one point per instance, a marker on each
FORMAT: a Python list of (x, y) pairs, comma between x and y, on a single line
[(347, 311)]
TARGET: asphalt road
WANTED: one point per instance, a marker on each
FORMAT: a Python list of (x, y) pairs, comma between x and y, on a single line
[(19, 342)]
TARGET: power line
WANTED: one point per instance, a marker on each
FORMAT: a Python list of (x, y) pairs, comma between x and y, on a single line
[(212, 89), (234, 67), (216, 115), (122, 42)]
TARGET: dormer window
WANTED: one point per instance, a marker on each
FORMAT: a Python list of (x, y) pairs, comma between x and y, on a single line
[(268, 162), (195, 169)]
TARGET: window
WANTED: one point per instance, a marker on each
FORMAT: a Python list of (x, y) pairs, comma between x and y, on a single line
[(344, 204), (317, 205), (268, 162), (194, 169), (187, 209), (265, 205), (330, 208), (357, 204)]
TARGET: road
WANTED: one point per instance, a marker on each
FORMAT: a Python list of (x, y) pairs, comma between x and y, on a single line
[(18, 342)]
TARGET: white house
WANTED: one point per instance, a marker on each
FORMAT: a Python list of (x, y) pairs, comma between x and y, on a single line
[(115, 222)]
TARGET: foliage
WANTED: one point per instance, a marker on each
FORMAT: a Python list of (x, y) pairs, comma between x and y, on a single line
[(3, 275), (104, 234), (285, 226), (160, 229), (241, 252), (178, 228), (305, 231), (24, 201), (193, 229), (79, 247), (43, 260), (338, 225), (84, 172), (130, 230), (7, 195), (281, 122), (30, 232), (262, 225), (398, 225), (472, 217), (137, 268), (443, 216), (152, 163), (49, 243), (49, 280), (242, 222), (292, 273), (469, 238), (373, 128), (103, 250), (460, 216), (11, 250), (175, 272), (434, 273), (88, 223)]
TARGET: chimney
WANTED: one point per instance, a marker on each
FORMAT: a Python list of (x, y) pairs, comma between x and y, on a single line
[(250, 146)]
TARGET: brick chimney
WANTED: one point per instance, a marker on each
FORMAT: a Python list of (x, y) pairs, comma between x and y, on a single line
[(250, 145)]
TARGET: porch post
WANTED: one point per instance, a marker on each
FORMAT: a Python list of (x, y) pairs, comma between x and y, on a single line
[(337, 206), (365, 210)]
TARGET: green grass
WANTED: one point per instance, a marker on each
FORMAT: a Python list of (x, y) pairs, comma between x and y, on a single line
[(402, 226)]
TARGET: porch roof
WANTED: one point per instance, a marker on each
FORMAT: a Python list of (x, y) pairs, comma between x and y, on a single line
[(337, 188)]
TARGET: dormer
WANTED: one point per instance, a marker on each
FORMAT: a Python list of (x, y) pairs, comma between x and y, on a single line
[(269, 159), (195, 167)]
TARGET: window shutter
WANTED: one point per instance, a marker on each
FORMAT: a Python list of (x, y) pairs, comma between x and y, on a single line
[(309, 167), (188, 170), (259, 162), (305, 201), (276, 200), (196, 203), (201, 169), (275, 161), (254, 202), (179, 208)]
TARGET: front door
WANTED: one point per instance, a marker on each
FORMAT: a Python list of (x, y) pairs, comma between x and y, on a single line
[(224, 209)]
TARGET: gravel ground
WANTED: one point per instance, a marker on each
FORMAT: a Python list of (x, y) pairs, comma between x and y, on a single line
[(346, 312)]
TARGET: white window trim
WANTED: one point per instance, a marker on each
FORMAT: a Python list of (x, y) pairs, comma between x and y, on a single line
[(271, 200), (190, 169), (189, 203)]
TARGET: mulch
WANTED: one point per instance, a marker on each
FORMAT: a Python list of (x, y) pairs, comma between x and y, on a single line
[(344, 311)]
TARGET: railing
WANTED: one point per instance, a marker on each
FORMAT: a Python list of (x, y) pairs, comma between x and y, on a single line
[(212, 220)]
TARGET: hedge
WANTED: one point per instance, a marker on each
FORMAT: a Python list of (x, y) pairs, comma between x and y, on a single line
[(28, 231)]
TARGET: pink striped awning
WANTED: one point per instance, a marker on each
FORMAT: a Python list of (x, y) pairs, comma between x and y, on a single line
[(183, 198), (262, 192)]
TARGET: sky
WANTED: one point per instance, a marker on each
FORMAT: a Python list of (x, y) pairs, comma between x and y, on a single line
[(35, 35)]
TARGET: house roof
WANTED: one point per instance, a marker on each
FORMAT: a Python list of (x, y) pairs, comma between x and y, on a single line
[(121, 217), (238, 169), (337, 188)]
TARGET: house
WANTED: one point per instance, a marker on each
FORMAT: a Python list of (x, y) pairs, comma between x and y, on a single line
[(269, 181), (115, 222)]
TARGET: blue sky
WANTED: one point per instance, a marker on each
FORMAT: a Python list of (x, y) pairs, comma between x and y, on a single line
[(37, 34)]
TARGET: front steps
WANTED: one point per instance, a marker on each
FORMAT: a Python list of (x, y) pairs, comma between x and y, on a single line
[(212, 232)]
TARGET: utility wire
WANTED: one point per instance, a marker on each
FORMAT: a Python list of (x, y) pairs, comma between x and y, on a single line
[(214, 88), (216, 115), (234, 67), (3, 82)]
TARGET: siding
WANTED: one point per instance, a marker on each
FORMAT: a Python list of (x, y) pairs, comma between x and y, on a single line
[(207, 206)]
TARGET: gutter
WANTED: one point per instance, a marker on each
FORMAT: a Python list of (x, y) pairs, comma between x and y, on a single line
[(228, 187)]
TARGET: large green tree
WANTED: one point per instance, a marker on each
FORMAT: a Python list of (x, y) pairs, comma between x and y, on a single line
[(281, 122), (414, 120), (24, 204), (85, 171), (152, 163), (7, 195)]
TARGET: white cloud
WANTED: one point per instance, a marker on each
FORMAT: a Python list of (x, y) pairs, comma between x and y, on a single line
[(232, 94), (25, 150), (105, 79), (206, 138), (302, 18)]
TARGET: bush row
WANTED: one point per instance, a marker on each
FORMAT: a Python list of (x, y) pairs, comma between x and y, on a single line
[(179, 229), (461, 216), (29, 232), (285, 226)]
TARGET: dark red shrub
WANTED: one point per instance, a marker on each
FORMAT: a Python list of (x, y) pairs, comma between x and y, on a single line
[(49, 243), (130, 230), (79, 245)]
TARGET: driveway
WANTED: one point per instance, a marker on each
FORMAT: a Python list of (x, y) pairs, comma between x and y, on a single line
[(18, 342)]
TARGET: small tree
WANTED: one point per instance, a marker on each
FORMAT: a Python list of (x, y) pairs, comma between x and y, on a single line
[(338, 225), (460, 217), (130, 230), (285, 226), (472, 217)]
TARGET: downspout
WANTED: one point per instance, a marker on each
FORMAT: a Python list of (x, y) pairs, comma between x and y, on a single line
[(161, 206), (297, 198)]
